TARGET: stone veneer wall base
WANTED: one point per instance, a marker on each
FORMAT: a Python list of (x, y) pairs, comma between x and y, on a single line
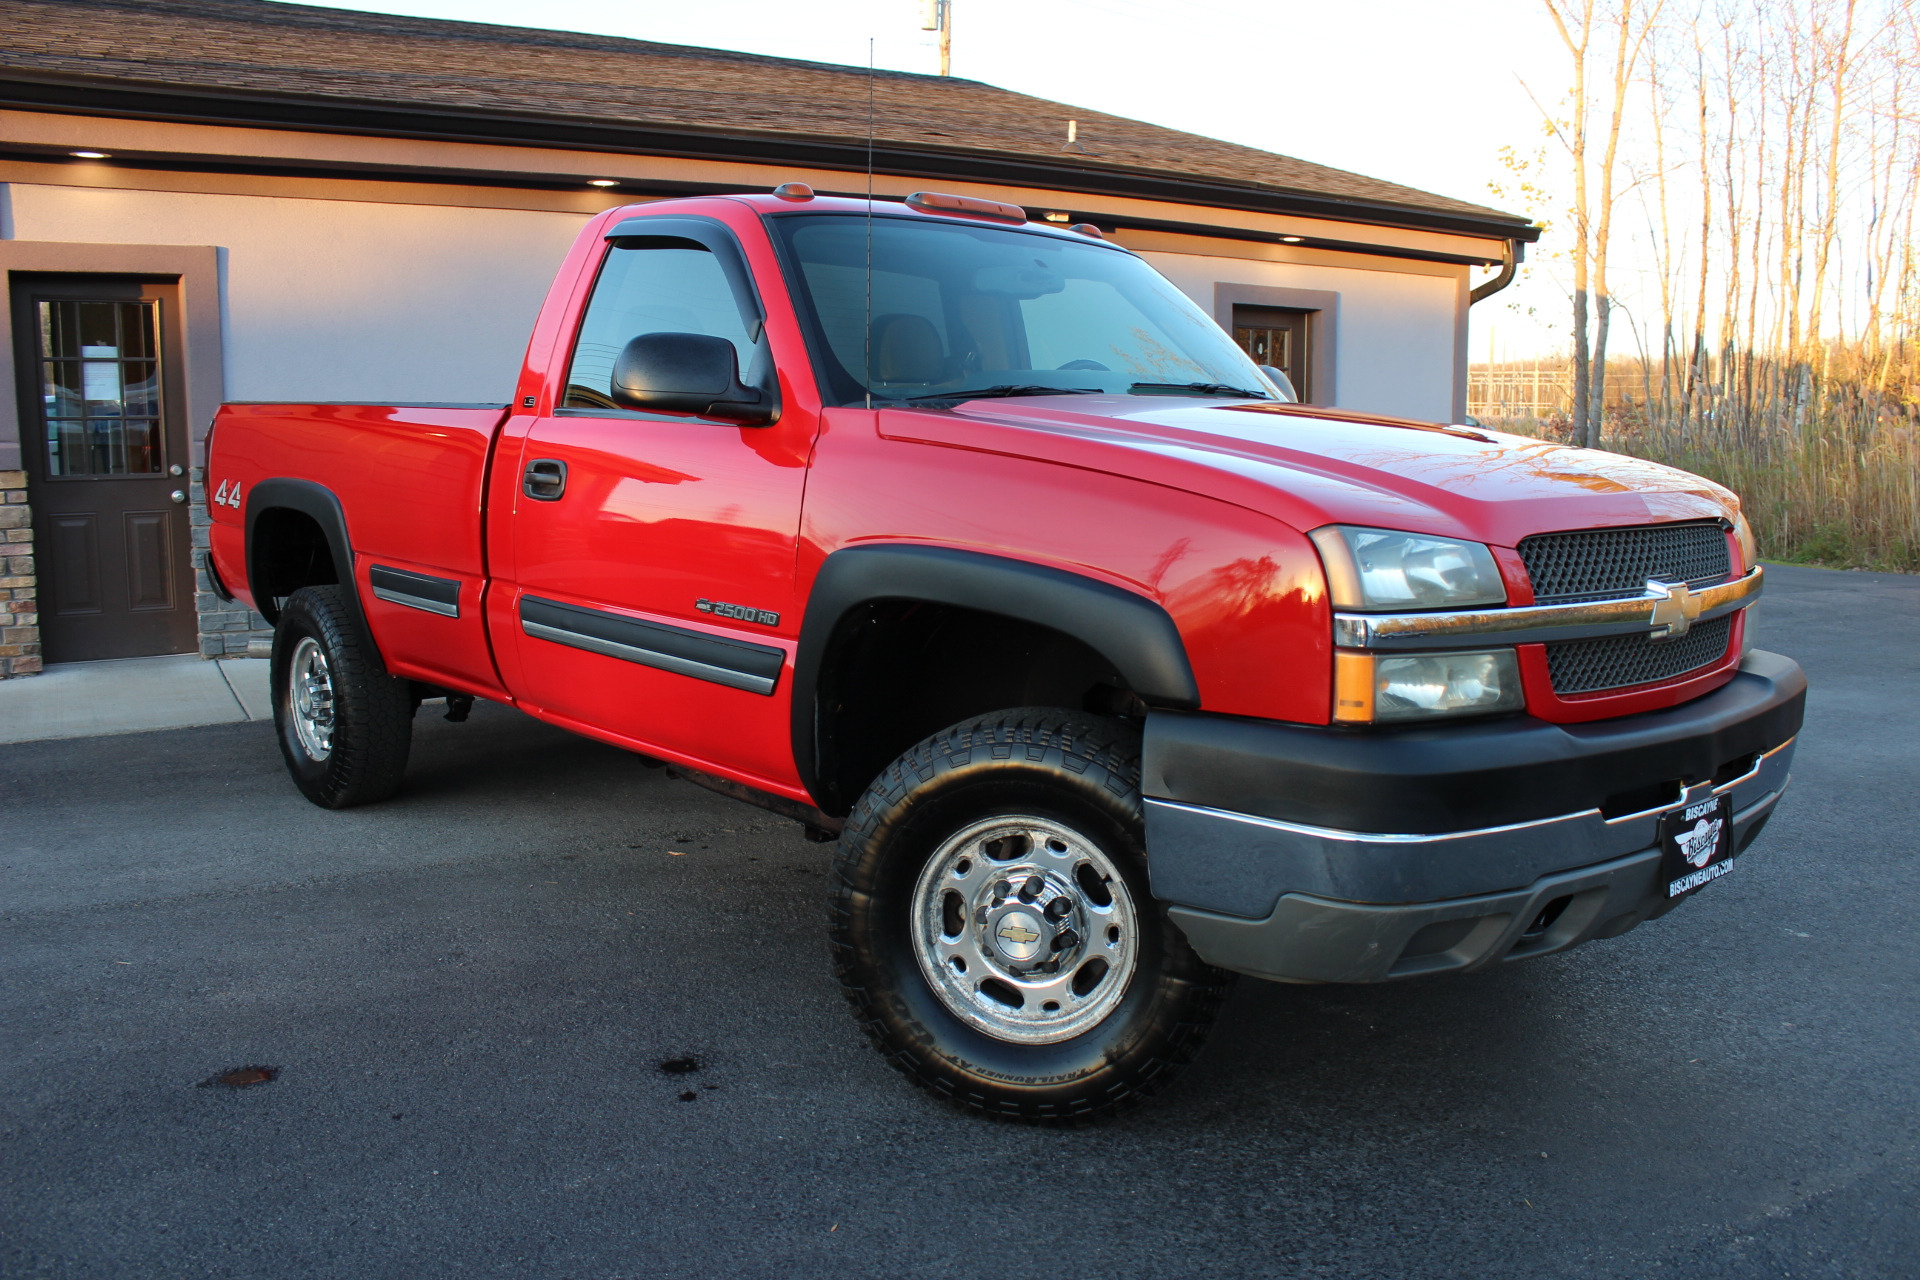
[(19, 585), (227, 628)]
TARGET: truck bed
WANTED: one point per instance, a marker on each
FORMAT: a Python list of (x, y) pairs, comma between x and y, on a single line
[(410, 480)]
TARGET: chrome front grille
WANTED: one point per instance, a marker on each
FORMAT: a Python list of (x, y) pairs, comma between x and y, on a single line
[(1611, 564), (1602, 564), (1588, 666)]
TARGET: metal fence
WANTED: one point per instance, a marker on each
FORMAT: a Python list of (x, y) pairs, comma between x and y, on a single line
[(1520, 391)]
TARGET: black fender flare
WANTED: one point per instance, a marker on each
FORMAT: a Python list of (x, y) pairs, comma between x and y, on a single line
[(309, 499), (1134, 633)]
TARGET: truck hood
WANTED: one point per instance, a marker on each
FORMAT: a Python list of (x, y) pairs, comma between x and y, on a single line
[(1311, 466)]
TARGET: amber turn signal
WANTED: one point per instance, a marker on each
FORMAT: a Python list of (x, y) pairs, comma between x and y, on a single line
[(1352, 687)]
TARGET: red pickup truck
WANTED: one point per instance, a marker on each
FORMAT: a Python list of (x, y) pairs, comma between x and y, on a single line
[(975, 545)]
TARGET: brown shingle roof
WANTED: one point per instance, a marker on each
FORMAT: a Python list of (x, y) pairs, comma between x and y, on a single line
[(267, 53)]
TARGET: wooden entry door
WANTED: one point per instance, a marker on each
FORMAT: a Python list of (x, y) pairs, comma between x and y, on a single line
[(1276, 336), (104, 440)]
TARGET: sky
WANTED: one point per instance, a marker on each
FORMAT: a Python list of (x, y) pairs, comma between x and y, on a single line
[(1419, 92)]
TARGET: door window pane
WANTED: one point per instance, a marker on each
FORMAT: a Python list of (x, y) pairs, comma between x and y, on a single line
[(100, 387), (1267, 346), (667, 286)]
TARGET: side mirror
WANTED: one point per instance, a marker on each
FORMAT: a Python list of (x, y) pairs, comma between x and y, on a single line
[(687, 373), (1281, 383)]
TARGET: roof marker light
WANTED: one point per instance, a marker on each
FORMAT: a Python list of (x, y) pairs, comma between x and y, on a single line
[(939, 202), (1088, 229), (794, 191), (90, 155)]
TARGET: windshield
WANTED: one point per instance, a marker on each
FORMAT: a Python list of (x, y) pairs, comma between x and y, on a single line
[(958, 308)]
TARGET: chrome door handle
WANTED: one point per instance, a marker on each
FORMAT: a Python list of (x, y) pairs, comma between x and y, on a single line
[(178, 495), (545, 479)]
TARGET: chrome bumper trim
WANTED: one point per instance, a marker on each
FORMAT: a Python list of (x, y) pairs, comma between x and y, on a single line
[(1662, 611), (1314, 938)]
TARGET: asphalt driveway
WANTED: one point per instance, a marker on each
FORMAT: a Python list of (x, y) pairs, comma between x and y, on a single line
[(468, 992)]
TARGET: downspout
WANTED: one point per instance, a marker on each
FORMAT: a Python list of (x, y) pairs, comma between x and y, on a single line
[(1509, 261)]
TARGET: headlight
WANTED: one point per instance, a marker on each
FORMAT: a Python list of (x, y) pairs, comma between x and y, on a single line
[(1374, 688), (1381, 569), (1743, 535)]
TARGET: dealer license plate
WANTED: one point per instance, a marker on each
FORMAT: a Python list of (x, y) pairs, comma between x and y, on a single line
[(1696, 842)]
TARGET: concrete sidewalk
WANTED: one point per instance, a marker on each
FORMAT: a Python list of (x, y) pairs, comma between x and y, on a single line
[(133, 695)]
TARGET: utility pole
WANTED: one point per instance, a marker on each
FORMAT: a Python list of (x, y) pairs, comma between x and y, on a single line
[(939, 17)]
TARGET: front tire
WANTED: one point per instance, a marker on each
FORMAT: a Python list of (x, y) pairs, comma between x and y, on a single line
[(993, 926), (345, 725)]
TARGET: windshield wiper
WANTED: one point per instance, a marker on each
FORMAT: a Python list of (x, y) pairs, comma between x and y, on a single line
[(1200, 389), (1006, 389)]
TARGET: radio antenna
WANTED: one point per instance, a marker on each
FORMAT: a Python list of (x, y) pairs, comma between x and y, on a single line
[(867, 380)]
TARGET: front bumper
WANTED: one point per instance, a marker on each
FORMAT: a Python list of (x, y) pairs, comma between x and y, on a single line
[(1270, 887)]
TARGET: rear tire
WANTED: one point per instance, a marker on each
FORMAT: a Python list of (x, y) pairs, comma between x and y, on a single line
[(993, 927), (345, 725)]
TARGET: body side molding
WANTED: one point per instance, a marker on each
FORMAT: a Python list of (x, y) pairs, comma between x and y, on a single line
[(734, 663), (415, 590)]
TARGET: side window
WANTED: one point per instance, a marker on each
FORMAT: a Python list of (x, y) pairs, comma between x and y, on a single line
[(655, 285)]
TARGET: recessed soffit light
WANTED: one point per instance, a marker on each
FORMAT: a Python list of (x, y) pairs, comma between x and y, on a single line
[(1289, 239), (90, 155), (603, 182)]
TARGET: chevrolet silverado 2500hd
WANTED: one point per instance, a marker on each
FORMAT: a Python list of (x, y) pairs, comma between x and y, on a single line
[(976, 545)]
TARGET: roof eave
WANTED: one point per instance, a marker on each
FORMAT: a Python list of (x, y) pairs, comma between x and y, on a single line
[(157, 100)]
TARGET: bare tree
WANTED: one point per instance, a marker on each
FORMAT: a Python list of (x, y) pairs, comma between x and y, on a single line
[(1580, 22), (1785, 264)]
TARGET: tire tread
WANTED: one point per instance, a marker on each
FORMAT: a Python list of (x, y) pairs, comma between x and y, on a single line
[(373, 731), (1102, 754)]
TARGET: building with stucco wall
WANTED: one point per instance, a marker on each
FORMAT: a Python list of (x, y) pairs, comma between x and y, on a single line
[(243, 200)]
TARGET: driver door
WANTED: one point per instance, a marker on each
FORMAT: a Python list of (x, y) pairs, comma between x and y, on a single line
[(655, 553)]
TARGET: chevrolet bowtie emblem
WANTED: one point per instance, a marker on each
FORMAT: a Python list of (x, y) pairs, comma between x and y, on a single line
[(1674, 609), (1018, 934)]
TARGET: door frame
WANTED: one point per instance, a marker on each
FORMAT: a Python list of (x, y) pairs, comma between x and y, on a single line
[(1323, 323), (194, 272)]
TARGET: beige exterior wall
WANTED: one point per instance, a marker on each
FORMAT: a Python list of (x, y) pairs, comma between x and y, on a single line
[(340, 300), (1395, 350), (331, 299)]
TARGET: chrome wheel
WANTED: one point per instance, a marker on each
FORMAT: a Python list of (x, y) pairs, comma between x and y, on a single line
[(1024, 929), (310, 698)]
